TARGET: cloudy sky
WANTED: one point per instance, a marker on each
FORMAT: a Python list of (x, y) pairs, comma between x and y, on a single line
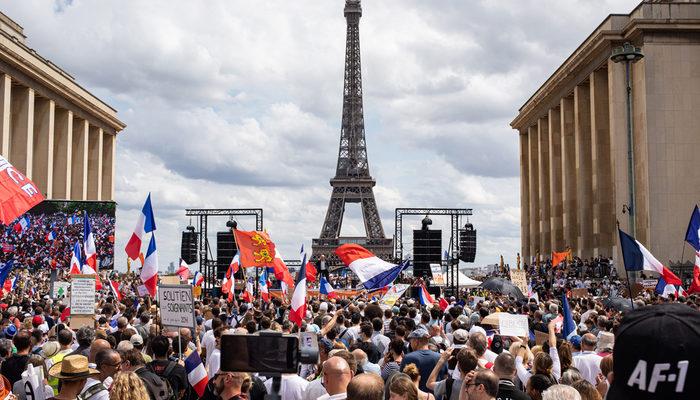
[(236, 104)]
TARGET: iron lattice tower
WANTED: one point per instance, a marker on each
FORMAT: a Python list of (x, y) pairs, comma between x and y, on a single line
[(352, 182)]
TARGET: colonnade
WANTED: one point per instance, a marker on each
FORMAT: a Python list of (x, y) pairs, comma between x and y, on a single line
[(566, 177), (66, 155)]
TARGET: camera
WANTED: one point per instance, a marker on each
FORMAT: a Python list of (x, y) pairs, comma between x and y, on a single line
[(268, 353)]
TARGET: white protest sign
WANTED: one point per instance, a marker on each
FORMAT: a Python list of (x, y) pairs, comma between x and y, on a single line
[(60, 289), (82, 299), (393, 294), (176, 305), (478, 299), (519, 279), (438, 276), (513, 325)]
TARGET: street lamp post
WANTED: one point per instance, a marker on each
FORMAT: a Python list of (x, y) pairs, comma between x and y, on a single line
[(629, 54)]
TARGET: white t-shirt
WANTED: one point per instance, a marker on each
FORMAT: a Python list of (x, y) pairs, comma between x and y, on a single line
[(214, 362), (209, 342), (588, 363), (314, 390), (292, 387)]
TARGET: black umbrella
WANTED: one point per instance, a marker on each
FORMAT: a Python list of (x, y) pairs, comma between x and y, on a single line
[(618, 303), (503, 286)]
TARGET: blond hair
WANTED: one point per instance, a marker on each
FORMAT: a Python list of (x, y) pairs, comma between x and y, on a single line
[(412, 371), (128, 386)]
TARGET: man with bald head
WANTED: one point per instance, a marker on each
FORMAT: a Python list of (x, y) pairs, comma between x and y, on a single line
[(97, 346), (588, 362), (336, 377), (366, 387)]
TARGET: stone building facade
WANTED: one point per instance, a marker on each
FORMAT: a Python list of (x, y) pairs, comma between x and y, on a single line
[(56, 132), (573, 139)]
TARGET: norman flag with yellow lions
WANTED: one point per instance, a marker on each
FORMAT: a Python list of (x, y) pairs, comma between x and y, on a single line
[(254, 248)]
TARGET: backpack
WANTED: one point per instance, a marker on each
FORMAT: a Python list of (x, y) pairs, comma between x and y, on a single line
[(158, 387), (92, 391), (449, 382)]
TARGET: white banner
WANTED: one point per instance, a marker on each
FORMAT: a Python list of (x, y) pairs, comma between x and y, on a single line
[(438, 275), (176, 305), (393, 294), (512, 325), (82, 299)]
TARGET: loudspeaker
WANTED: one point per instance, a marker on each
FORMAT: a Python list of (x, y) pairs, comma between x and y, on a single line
[(188, 248), (427, 249), (433, 290), (225, 250), (467, 243)]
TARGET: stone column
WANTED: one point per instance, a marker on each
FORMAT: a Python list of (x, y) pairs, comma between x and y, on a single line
[(524, 196), (62, 150), (94, 163), (42, 166), (603, 212), (22, 129), (79, 164), (108, 155), (555, 195), (568, 176), (545, 234), (584, 179), (533, 186), (5, 112)]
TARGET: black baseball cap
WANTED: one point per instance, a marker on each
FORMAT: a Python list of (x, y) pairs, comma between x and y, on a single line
[(656, 354)]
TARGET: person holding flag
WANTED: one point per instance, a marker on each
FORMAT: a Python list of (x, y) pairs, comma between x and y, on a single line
[(692, 236)]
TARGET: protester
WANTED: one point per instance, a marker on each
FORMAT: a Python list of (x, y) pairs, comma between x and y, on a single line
[(504, 368), (366, 387), (403, 388), (483, 385), (72, 372), (561, 392), (12, 367), (128, 386), (336, 377)]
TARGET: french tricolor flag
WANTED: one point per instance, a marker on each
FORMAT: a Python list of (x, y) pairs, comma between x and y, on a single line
[(149, 271), (145, 224), (197, 279), (184, 271), (75, 262), (248, 296), (297, 311), (89, 244), (637, 258), (374, 273), (424, 296), (50, 236), (22, 224), (196, 373), (262, 286), (114, 288), (326, 288), (692, 236)]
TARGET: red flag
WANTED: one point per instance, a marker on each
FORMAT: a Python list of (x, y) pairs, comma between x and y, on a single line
[(17, 193), (65, 314), (255, 248), (443, 304), (184, 271), (114, 287), (695, 283), (310, 272)]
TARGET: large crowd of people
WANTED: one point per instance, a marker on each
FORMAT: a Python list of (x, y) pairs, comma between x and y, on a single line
[(367, 350), (47, 239)]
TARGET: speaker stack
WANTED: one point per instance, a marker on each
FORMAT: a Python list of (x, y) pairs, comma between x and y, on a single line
[(189, 244), (225, 250), (427, 249), (467, 243)]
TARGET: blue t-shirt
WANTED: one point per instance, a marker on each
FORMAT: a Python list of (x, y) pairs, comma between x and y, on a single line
[(425, 360)]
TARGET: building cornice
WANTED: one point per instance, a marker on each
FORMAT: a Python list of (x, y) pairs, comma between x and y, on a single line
[(30, 63), (616, 28)]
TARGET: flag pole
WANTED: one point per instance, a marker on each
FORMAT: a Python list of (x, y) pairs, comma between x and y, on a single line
[(627, 274)]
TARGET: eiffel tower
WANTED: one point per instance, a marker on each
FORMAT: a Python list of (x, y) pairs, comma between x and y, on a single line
[(352, 182)]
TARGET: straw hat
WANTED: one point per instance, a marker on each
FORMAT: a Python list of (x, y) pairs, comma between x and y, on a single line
[(73, 367)]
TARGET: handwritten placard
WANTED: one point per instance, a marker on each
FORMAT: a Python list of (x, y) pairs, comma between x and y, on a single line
[(513, 325), (82, 299)]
